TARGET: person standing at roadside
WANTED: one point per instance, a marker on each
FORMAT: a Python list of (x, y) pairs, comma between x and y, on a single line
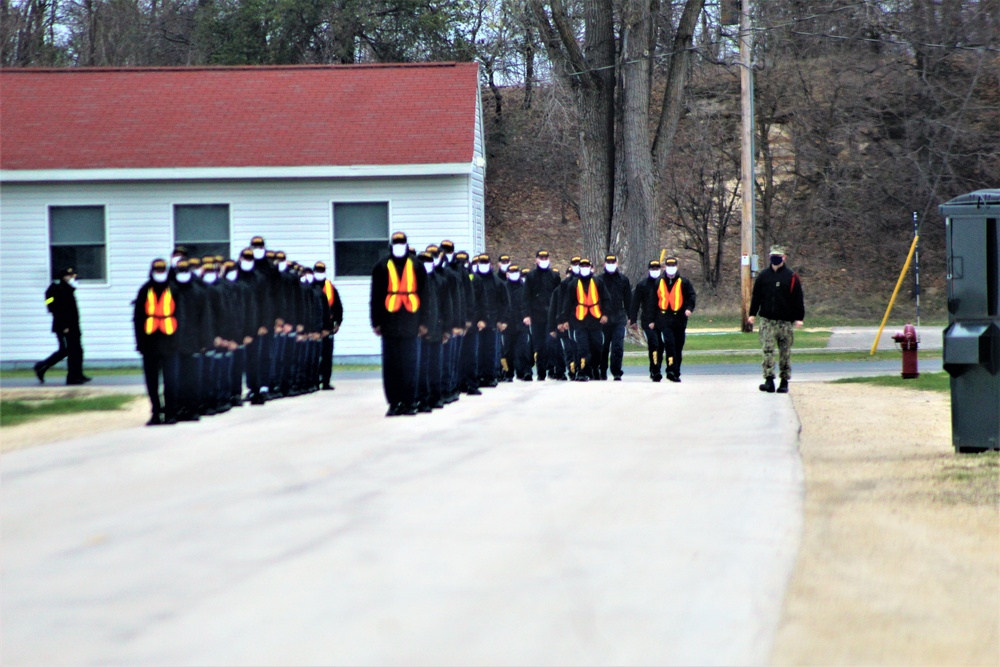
[(779, 303), (61, 302), (616, 308), (673, 302)]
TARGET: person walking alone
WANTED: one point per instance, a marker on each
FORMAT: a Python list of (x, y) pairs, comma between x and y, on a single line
[(61, 302), (779, 303)]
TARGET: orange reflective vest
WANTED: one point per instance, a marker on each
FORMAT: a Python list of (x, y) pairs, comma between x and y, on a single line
[(328, 291), (670, 299), (160, 312), (402, 293), (588, 301)]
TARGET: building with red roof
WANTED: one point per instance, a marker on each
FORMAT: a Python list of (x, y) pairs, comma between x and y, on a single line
[(107, 169)]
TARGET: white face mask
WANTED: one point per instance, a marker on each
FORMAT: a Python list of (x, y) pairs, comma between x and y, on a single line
[(504, 266), (449, 257), (319, 276), (210, 278), (584, 271), (514, 277), (575, 270), (671, 271), (303, 280), (160, 277), (282, 266), (429, 267), (232, 276), (183, 276), (399, 250), (71, 282), (543, 263), (438, 259), (654, 275), (174, 260), (610, 268), (258, 253), (246, 264)]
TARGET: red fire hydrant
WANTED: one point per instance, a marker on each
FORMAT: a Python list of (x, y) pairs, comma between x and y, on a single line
[(908, 343)]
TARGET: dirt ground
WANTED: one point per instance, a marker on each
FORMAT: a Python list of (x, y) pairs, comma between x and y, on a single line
[(63, 427), (900, 559)]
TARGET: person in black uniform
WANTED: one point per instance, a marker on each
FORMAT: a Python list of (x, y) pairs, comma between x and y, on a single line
[(437, 314), (642, 318), (779, 302), (452, 348), (673, 301), (397, 291), (61, 302), (565, 362), (517, 341), (539, 284), (156, 325), (334, 316), (616, 308), (243, 305), (493, 298), (583, 314), (469, 361), (193, 339)]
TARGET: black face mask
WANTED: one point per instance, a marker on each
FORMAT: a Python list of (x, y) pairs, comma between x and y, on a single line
[(776, 260)]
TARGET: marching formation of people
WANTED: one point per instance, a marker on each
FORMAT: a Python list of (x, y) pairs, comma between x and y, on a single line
[(221, 332), (451, 323), (211, 326)]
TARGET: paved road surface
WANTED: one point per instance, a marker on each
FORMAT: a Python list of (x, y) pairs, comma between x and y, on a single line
[(564, 523)]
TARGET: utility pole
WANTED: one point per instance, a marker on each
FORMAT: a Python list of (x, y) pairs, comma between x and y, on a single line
[(748, 225)]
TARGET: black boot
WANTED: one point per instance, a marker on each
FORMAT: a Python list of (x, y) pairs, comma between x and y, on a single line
[(40, 372), (768, 385), (783, 386)]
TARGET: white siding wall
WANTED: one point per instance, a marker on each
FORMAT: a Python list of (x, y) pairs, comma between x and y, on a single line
[(294, 216), (477, 191)]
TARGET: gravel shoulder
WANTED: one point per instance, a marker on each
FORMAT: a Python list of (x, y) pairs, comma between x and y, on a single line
[(900, 556)]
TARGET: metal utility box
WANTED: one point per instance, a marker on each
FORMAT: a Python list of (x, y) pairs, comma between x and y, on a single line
[(972, 339)]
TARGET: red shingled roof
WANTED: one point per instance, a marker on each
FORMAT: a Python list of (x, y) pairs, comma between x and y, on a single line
[(237, 116)]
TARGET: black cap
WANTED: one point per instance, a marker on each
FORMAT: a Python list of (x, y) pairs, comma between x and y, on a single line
[(585, 262), (183, 265), (280, 256), (425, 257), (257, 241), (432, 249), (484, 259), (575, 261), (504, 258), (654, 264), (513, 268), (193, 262), (671, 261), (447, 246), (320, 267), (461, 255), (399, 237), (247, 253), (68, 271), (180, 250), (610, 259), (542, 254), (159, 265)]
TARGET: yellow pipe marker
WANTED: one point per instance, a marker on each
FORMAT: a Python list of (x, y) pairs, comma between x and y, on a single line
[(663, 255), (899, 283)]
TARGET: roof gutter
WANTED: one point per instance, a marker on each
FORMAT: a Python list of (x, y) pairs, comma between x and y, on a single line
[(233, 173)]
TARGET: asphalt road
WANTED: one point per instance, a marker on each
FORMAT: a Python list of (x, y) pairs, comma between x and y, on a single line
[(556, 523)]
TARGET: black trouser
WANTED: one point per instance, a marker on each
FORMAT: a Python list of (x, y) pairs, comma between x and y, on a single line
[(153, 364), (71, 349), (236, 372), (189, 386), (613, 348), (469, 360), (400, 363), (326, 360), (588, 349), (429, 389), (568, 347), (543, 345), (517, 352), (654, 348), (487, 355), (672, 329)]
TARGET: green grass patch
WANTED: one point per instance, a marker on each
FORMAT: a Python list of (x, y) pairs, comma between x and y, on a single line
[(638, 358), (19, 412), (696, 342), (57, 375), (926, 382)]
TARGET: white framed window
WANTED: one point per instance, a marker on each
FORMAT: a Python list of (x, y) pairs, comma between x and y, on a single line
[(202, 228), (78, 240), (360, 237)]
